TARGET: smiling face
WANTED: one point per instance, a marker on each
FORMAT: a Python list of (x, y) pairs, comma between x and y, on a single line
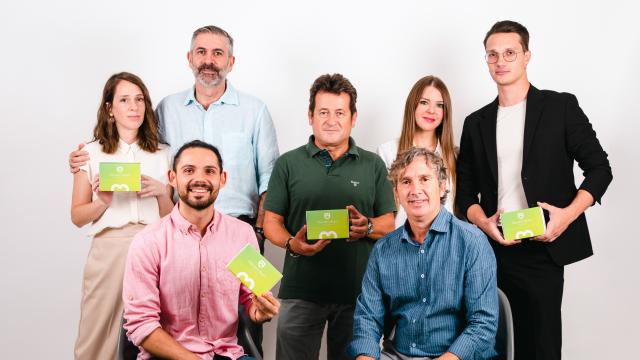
[(197, 178), (430, 110), (332, 119), (419, 191), (210, 59), (503, 72), (128, 106)]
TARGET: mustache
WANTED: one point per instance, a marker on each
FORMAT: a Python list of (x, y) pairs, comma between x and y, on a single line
[(200, 184), (210, 67)]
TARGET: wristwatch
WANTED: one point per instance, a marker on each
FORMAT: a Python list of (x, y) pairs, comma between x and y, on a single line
[(369, 226), (288, 247), (260, 231)]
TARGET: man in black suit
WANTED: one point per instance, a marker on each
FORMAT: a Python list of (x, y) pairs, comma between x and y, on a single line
[(518, 152)]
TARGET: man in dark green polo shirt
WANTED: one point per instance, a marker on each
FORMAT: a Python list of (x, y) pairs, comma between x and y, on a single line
[(322, 279)]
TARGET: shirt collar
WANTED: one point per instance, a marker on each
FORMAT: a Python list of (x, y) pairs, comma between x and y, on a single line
[(439, 224), (313, 150), (229, 97), (185, 226), (125, 148)]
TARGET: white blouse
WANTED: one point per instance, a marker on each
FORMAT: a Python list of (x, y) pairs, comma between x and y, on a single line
[(388, 152), (127, 207)]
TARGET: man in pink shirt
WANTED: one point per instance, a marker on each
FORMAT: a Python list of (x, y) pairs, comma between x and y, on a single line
[(180, 300)]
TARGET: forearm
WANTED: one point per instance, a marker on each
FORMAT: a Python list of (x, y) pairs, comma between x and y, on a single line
[(165, 203), (260, 214), (382, 225), (580, 203), (476, 215), (83, 214), (160, 344), (275, 231)]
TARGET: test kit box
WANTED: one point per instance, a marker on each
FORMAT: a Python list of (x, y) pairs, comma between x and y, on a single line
[(119, 176), (327, 224), (254, 270), (522, 224)]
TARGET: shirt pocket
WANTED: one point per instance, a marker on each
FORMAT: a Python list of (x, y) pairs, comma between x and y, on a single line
[(226, 283), (236, 149)]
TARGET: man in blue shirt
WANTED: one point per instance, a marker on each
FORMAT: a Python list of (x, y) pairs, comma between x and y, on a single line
[(434, 277)]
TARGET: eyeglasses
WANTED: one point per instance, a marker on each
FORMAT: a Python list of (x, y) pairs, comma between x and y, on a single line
[(509, 55)]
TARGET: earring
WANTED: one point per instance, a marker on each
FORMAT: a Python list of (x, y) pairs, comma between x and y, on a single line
[(111, 118)]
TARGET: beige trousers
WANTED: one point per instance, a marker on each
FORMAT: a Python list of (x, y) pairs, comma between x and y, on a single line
[(101, 306)]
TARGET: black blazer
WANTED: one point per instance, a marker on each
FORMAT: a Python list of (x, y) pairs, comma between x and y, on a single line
[(556, 133)]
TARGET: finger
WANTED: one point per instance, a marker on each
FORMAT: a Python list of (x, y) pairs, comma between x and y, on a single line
[(301, 234), (265, 305), (353, 212), (80, 146), (545, 206), (319, 245)]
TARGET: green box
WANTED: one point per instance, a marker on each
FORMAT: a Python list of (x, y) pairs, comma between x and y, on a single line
[(254, 270), (119, 176), (522, 224), (327, 224)]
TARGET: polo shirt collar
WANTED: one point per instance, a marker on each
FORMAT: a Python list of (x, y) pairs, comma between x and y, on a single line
[(439, 224), (230, 96), (313, 150), (185, 226)]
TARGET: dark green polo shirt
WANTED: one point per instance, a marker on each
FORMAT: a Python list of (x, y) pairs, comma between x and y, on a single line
[(307, 179)]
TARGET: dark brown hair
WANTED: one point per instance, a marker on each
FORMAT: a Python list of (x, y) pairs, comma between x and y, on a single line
[(334, 84), (508, 26), (444, 132), (105, 131)]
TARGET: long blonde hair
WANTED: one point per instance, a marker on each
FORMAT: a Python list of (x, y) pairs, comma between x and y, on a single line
[(444, 132)]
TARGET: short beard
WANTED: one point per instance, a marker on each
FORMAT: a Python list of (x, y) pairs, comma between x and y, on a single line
[(198, 204), (220, 75)]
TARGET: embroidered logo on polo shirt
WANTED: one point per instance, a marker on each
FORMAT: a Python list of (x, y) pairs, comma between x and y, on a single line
[(355, 183)]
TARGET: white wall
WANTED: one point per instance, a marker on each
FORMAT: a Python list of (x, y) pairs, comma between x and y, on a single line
[(56, 56)]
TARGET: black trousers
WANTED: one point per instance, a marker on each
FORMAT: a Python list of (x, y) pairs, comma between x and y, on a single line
[(254, 329), (534, 284)]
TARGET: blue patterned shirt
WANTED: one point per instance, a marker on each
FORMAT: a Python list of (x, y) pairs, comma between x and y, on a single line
[(441, 294), (240, 126)]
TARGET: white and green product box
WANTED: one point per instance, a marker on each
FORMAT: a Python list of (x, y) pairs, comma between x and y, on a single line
[(254, 270), (119, 176), (522, 224), (327, 224)]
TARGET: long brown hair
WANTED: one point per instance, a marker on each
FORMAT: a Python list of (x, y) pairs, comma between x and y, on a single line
[(444, 132), (105, 131)]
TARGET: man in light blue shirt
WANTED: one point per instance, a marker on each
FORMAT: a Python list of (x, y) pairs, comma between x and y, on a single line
[(238, 124), (434, 278)]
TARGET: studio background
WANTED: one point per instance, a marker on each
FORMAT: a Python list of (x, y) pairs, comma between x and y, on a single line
[(56, 57)]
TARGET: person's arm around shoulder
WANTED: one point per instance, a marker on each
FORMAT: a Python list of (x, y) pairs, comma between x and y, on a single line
[(480, 298), (78, 158)]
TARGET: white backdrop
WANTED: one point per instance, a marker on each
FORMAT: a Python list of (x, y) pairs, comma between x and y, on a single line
[(56, 56)]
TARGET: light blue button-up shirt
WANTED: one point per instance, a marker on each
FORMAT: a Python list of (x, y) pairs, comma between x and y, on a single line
[(240, 126), (441, 294)]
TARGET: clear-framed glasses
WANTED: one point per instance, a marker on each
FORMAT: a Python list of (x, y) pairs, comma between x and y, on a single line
[(508, 55)]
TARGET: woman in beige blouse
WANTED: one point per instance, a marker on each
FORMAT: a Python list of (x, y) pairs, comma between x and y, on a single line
[(126, 131)]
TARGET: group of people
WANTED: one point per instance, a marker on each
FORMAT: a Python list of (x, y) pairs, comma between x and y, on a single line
[(429, 287)]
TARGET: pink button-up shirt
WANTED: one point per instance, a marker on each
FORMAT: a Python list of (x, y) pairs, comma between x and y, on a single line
[(178, 280)]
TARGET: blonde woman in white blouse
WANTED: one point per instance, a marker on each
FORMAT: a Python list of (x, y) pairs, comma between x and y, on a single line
[(426, 124), (126, 131)]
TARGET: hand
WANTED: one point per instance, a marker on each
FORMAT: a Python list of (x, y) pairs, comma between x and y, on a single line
[(151, 187), (266, 307), (448, 356), (559, 220), (490, 227), (357, 224), (299, 245), (77, 158), (104, 196)]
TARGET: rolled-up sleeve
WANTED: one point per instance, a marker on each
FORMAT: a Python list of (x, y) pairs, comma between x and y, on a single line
[(265, 149), (481, 301), (368, 319), (140, 291)]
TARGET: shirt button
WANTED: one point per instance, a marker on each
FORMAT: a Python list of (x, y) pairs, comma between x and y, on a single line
[(413, 345), (204, 269), (422, 251), (424, 299), (414, 321), (202, 295), (201, 321), (422, 276)]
